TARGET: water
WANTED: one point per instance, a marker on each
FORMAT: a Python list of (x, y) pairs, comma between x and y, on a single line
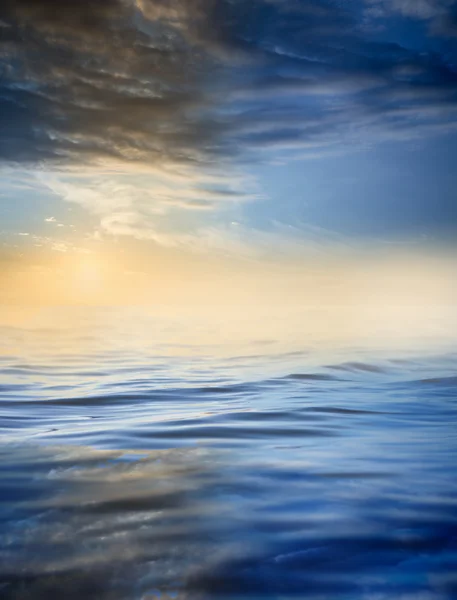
[(148, 456)]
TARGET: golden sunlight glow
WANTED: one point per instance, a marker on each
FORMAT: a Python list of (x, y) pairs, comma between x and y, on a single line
[(110, 275), (382, 299), (86, 275)]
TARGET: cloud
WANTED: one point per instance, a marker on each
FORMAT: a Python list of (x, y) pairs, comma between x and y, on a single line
[(419, 9), (148, 206), (249, 243), (174, 81), (441, 15), (188, 91)]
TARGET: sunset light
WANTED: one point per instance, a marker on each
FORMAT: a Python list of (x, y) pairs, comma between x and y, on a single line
[(228, 300)]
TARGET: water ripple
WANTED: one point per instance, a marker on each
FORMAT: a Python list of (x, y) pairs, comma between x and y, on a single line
[(160, 471)]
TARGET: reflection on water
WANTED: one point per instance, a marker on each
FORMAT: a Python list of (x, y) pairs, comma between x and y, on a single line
[(142, 461), (85, 523)]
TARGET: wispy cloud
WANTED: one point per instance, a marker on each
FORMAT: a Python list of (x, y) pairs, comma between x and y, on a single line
[(155, 207), (441, 15)]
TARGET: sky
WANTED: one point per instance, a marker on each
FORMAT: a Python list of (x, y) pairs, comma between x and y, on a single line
[(211, 140)]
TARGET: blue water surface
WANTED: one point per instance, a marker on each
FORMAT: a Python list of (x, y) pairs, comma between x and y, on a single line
[(142, 461)]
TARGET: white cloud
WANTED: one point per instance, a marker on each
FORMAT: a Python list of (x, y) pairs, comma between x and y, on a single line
[(147, 206)]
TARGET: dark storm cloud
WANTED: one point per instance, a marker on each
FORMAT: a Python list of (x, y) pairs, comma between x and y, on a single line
[(193, 81), (81, 80)]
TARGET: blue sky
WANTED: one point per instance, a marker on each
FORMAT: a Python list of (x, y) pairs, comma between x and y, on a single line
[(212, 125)]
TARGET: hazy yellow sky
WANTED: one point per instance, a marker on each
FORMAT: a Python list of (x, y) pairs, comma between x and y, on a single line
[(147, 274)]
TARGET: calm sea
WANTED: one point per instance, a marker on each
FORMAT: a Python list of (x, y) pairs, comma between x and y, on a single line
[(145, 455)]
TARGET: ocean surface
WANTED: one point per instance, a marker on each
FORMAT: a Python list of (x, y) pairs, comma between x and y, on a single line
[(153, 456)]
